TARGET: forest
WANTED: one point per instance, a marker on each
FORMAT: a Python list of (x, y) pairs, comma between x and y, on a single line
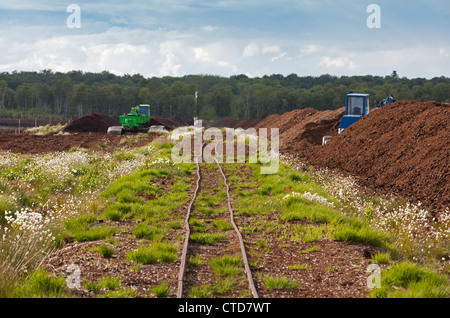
[(77, 93)]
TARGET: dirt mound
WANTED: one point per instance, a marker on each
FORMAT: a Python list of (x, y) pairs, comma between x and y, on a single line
[(310, 130), (246, 123), (401, 149), (92, 123), (287, 120), (168, 123), (302, 128), (268, 122)]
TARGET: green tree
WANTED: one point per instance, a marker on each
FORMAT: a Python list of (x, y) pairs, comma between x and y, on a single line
[(221, 100), (63, 92)]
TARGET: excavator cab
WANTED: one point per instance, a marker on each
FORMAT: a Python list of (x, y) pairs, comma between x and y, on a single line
[(356, 107)]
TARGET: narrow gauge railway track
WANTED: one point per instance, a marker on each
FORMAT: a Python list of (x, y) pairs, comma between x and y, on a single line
[(213, 238)]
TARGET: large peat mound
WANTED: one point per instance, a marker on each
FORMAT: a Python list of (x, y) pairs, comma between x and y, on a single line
[(92, 123), (302, 129), (401, 149)]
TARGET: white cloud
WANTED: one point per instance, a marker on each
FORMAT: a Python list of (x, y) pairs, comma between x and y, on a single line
[(444, 52), (338, 62), (210, 28), (279, 56), (250, 50), (309, 49), (271, 49), (168, 51)]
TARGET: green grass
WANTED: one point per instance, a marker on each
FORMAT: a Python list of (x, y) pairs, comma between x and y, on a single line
[(195, 260), (118, 211), (161, 290), (105, 250), (205, 291), (125, 188), (198, 225), (281, 282), (381, 258), (120, 293), (223, 285), (95, 233), (227, 265), (111, 288), (299, 267), (406, 280), (208, 238), (309, 250), (150, 232), (7, 204), (80, 223), (362, 235), (40, 284), (164, 252), (222, 224)]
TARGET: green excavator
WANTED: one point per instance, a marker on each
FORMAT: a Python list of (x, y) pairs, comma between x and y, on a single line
[(137, 120)]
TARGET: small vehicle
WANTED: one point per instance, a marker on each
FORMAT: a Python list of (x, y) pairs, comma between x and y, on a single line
[(356, 107)]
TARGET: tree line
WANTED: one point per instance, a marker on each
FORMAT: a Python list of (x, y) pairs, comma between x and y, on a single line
[(77, 93)]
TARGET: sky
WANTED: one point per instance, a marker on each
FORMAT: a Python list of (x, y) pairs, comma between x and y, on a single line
[(217, 37)]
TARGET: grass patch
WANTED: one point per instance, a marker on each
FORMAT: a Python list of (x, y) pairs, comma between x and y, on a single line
[(80, 223), (227, 265), (164, 252), (299, 267), (150, 232), (282, 282), (406, 280), (40, 284), (205, 291), (362, 235), (116, 212), (95, 233), (208, 238), (222, 225), (161, 290), (195, 260), (105, 250), (381, 258), (199, 225)]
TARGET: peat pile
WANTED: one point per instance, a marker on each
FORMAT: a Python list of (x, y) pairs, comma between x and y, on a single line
[(168, 123), (303, 129), (243, 123), (401, 149), (92, 123)]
